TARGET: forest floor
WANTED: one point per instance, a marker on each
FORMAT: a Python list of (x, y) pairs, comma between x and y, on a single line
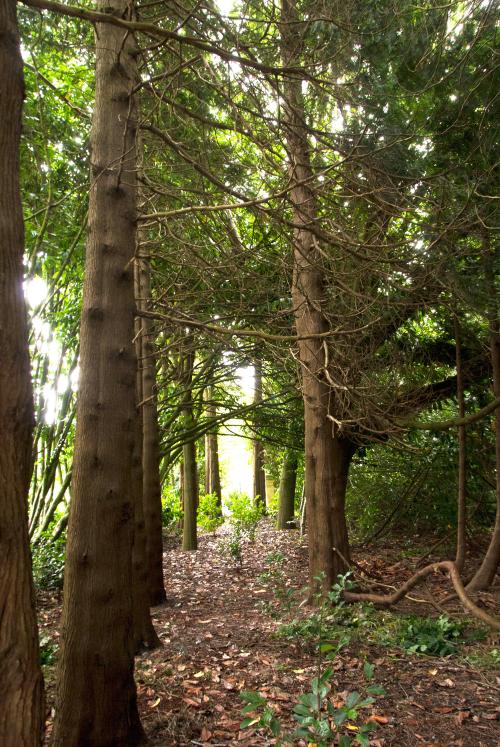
[(222, 633)]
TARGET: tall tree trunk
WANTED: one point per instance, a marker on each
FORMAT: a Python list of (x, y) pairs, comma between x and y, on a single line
[(96, 698), (286, 500), (486, 573), (326, 461), (212, 470), (151, 441), (190, 470), (21, 684), (462, 456), (144, 633), (259, 475)]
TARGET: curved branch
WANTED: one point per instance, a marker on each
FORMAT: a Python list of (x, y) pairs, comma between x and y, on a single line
[(381, 600), (455, 422)]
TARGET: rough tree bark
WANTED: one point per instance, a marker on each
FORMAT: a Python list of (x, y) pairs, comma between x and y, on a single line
[(486, 573), (189, 468), (96, 698), (286, 500), (151, 440), (212, 471), (144, 633), (327, 455), (462, 456), (259, 475), (21, 684)]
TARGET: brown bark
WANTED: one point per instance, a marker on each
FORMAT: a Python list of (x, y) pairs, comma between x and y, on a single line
[(286, 500), (190, 470), (96, 697), (462, 457), (212, 470), (486, 573), (259, 475), (327, 456), (151, 441), (21, 684), (144, 634)]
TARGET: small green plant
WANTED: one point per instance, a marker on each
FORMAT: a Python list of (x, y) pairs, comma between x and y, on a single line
[(209, 515), (171, 509), (320, 720), (48, 651), (245, 513), (489, 659), (231, 545), (48, 562), (439, 637)]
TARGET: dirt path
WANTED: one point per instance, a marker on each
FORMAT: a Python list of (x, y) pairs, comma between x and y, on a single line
[(218, 641)]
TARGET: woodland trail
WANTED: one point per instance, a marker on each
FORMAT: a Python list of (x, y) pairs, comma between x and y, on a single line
[(218, 641)]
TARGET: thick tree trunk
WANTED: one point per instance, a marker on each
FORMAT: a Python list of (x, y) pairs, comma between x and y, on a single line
[(144, 633), (151, 442), (212, 471), (96, 698), (326, 461), (21, 684), (462, 457), (259, 475), (286, 500)]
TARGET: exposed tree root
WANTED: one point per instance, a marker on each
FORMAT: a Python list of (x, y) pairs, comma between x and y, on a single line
[(387, 600)]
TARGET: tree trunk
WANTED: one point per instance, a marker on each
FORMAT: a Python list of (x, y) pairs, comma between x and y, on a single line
[(190, 470), (212, 471), (21, 684), (151, 442), (189, 535), (144, 634), (486, 573), (462, 456), (326, 454), (96, 698), (259, 475), (286, 503)]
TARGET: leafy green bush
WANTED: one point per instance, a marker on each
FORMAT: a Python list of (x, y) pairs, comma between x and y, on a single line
[(209, 515), (245, 513), (432, 637), (171, 509), (48, 562)]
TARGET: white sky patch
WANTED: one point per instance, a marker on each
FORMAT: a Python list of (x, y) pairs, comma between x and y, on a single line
[(224, 6), (35, 292)]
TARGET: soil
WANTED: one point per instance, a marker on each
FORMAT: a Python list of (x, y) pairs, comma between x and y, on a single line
[(219, 634)]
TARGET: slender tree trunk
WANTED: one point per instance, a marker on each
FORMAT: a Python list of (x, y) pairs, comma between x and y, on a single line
[(286, 502), (212, 471), (96, 697), (259, 475), (21, 684), (325, 452), (462, 457), (189, 535), (190, 470), (151, 442), (486, 573)]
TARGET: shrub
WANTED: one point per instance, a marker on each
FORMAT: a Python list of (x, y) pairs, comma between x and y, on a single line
[(48, 562), (245, 513), (209, 515), (432, 637), (171, 508)]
